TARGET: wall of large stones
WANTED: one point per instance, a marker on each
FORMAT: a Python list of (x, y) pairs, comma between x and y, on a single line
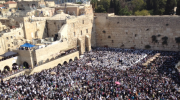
[(46, 54), (79, 27), (136, 31), (34, 30), (53, 26)]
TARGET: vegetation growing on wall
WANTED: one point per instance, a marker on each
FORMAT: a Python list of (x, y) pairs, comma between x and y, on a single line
[(154, 39), (177, 41), (137, 7), (142, 12), (104, 31), (159, 35), (122, 45), (164, 39), (147, 46)]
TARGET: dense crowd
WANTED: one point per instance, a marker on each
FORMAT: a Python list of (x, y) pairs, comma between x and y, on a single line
[(103, 73)]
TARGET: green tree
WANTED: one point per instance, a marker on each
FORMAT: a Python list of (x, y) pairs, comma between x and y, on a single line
[(105, 4), (115, 7), (111, 4), (156, 7), (142, 12), (100, 9), (124, 11), (118, 8), (178, 8), (159, 7), (170, 4), (94, 3), (138, 5), (149, 4)]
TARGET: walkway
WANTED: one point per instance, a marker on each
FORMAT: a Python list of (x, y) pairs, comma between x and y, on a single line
[(151, 59)]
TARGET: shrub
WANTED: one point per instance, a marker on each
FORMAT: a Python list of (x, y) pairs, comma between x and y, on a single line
[(147, 46), (154, 39)]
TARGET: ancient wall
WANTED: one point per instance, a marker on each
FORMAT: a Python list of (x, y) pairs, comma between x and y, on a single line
[(137, 31), (9, 62), (78, 28), (53, 26), (55, 62), (34, 30), (46, 54)]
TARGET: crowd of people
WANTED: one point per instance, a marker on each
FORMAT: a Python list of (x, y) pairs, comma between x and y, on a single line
[(15, 69), (102, 74)]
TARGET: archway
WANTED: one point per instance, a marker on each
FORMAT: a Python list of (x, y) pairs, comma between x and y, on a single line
[(26, 65), (14, 64), (59, 64), (75, 58), (65, 63), (70, 60), (6, 68)]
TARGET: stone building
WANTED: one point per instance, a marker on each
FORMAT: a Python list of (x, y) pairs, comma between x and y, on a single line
[(11, 39), (10, 4)]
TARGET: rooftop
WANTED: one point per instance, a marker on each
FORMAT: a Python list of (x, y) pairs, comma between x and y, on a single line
[(1, 5), (59, 17), (10, 2)]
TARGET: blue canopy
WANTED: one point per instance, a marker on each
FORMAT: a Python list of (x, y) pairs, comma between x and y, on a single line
[(27, 45)]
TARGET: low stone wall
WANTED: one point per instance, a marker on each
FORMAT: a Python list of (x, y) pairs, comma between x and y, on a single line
[(15, 75), (55, 62)]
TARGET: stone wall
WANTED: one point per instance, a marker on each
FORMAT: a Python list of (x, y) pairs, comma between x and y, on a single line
[(137, 31), (9, 62), (55, 62), (46, 54), (25, 56), (53, 26), (34, 30), (78, 29)]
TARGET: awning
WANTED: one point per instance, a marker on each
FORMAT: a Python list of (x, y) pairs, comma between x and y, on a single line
[(7, 54), (27, 45)]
